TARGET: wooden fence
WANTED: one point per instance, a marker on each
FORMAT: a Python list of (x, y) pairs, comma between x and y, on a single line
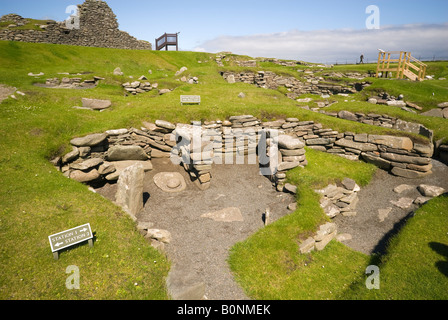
[(403, 66)]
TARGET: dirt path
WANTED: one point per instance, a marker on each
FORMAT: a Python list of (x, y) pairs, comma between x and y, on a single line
[(370, 234), (201, 244)]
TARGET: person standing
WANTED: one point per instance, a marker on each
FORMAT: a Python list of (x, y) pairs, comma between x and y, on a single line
[(362, 59)]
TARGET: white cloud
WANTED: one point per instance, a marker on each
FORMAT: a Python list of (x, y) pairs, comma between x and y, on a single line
[(422, 40)]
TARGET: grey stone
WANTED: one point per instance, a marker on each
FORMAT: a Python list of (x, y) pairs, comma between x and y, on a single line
[(90, 140), (307, 245), (118, 72), (225, 215), (106, 168), (231, 78), (325, 241), (430, 191), (392, 142), (120, 153), (405, 158), (283, 166), (433, 113), (87, 165), (96, 104), (403, 187), (165, 124), (122, 165), (356, 145), (288, 142), (403, 203), (421, 200), (349, 184), (84, 177), (129, 193), (318, 141), (159, 235), (332, 210), (347, 115), (290, 153), (290, 188), (116, 132), (410, 174), (396, 103), (376, 160), (383, 213), (164, 91), (325, 230), (84, 151), (72, 155)]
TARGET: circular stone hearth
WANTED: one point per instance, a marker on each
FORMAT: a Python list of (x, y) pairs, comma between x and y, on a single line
[(170, 182)]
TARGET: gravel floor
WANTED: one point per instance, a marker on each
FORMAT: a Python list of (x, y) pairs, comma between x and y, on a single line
[(369, 234), (202, 245)]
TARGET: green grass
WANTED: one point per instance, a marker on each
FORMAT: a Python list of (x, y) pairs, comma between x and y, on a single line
[(31, 25), (36, 200), (269, 266), (416, 264)]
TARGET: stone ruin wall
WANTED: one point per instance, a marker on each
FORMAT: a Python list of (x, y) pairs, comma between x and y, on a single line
[(102, 156), (98, 27)]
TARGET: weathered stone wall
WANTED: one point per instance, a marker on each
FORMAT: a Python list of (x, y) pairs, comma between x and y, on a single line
[(98, 27), (102, 157), (398, 155), (384, 121), (270, 80)]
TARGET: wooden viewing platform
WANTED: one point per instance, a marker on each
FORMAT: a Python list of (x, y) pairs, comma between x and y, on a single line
[(404, 66), (168, 39)]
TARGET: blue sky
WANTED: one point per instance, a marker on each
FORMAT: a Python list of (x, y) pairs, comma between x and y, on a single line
[(284, 28)]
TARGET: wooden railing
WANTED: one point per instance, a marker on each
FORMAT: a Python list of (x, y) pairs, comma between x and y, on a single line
[(404, 66), (168, 39)]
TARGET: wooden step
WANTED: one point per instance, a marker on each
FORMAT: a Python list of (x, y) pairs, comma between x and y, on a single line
[(410, 75)]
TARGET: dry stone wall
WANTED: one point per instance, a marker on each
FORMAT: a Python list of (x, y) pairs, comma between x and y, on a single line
[(102, 157), (270, 80), (98, 27), (383, 120)]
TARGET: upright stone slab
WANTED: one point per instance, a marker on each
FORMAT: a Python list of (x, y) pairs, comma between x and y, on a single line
[(130, 190)]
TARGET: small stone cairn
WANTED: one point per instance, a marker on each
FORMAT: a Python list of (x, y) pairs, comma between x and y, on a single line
[(342, 199)]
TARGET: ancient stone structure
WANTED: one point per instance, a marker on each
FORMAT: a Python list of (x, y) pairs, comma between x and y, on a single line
[(276, 146), (295, 87), (383, 120), (98, 27)]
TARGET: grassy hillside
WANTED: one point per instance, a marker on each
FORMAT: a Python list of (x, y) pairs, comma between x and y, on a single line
[(37, 201)]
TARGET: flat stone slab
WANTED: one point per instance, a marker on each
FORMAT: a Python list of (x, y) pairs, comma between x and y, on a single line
[(96, 104), (383, 213), (170, 182), (403, 187), (430, 191), (403, 203), (120, 166), (225, 215)]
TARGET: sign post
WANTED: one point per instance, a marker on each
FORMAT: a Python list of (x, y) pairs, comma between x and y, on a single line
[(69, 238)]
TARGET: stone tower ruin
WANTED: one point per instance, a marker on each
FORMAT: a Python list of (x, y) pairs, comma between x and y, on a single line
[(96, 25)]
